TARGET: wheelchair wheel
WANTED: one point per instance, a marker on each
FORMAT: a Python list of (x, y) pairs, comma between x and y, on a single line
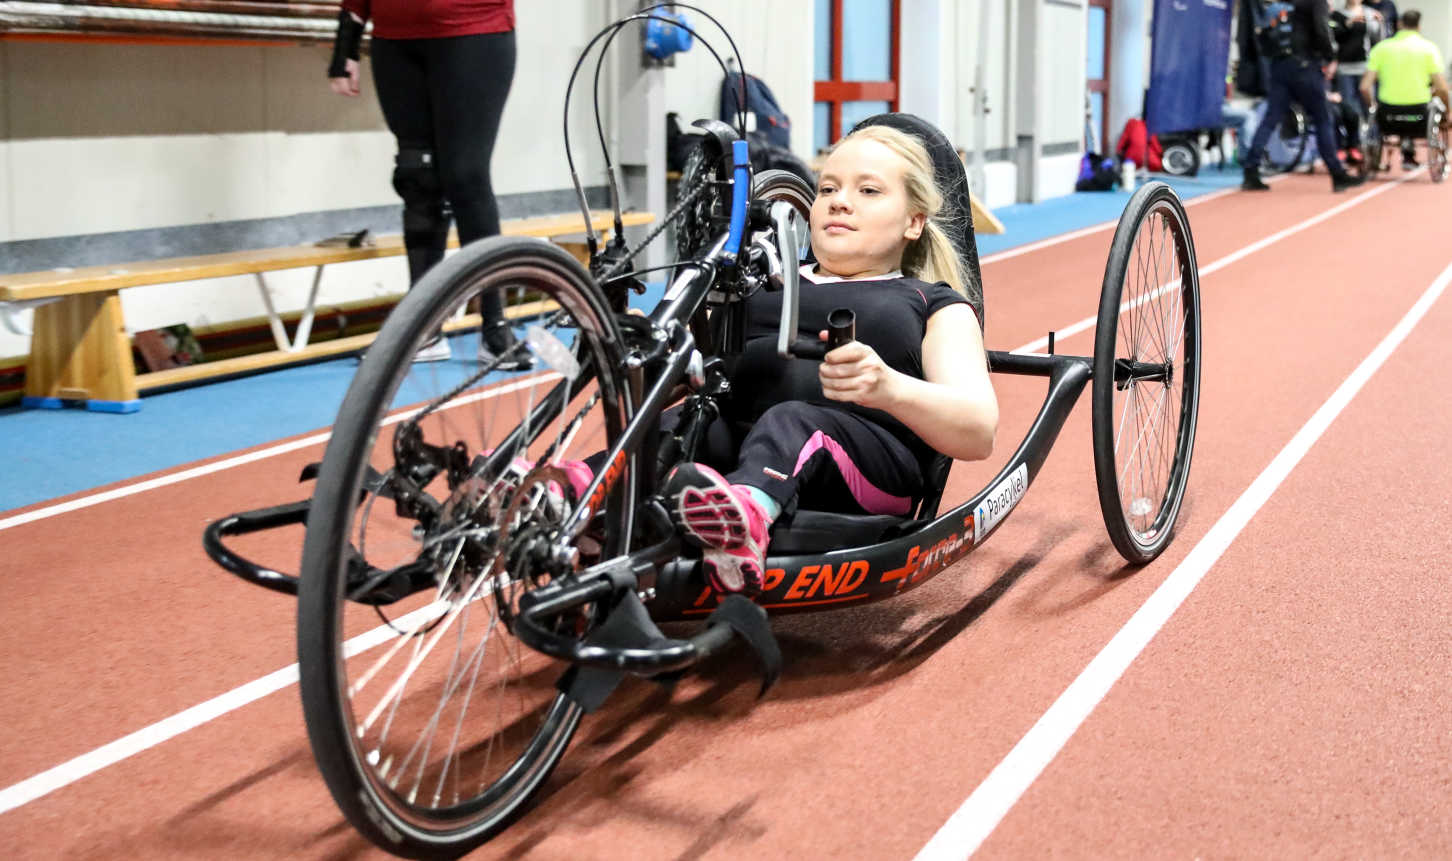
[(1372, 150), (435, 728), (1287, 146), (1181, 158), (1437, 146), (1146, 373)]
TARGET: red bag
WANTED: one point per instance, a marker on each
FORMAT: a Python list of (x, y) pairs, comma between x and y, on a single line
[(1138, 146)]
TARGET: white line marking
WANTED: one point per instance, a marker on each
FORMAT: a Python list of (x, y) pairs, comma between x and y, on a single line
[(69, 772), (966, 829), (1088, 322), (1009, 253), (239, 460), (48, 781)]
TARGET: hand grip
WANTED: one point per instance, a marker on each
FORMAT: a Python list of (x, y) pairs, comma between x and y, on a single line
[(841, 328)]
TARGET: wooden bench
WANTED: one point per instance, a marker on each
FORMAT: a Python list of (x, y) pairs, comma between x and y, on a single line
[(79, 350)]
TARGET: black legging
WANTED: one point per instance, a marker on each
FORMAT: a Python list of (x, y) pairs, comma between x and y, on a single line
[(446, 96), (817, 457)]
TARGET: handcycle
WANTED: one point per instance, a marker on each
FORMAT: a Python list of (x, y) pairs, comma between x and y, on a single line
[(514, 598), (1399, 124)]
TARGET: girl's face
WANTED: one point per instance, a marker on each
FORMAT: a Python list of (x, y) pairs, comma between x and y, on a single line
[(860, 221)]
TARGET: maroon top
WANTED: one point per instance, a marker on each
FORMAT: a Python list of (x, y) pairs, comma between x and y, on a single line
[(433, 19)]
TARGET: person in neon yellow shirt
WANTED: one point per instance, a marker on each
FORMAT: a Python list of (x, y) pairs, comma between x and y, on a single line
[(1409, 69)]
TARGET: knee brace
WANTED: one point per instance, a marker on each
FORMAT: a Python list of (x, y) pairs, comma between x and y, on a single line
[(425, 215)]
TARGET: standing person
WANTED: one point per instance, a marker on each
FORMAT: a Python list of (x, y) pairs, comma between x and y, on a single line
[(1301, 60), (1355, 28), (1408, 68), (442, 71)]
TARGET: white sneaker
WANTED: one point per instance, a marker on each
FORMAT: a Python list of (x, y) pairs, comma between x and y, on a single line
[(436, 350)]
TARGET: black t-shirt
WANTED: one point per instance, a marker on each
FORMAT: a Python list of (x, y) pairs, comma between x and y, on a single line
[(892, 317)]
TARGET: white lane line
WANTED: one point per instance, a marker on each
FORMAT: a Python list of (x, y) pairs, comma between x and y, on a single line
[(967, 828), (69, 772), (1010, 253), (1211, 268), (228, 463), (210, 709)]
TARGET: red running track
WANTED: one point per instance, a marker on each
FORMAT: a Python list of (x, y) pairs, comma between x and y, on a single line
[(1294, 705)]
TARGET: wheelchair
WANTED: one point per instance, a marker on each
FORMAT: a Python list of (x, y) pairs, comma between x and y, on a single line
[(463, 604), (1392, 125)]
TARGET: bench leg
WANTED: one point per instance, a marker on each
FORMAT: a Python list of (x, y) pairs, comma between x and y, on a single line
[(279, 334), (79, 352), (305, 324)]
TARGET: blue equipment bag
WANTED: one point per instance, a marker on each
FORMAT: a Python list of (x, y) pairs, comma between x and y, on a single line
[(771, 120)]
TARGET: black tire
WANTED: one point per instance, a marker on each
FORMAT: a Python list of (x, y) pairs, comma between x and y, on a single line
[(355, 753), (777, 184), (1181, 158), (1294, 135), (1153, 235)]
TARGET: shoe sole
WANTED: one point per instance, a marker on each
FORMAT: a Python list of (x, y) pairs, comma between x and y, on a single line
[(711, 519)]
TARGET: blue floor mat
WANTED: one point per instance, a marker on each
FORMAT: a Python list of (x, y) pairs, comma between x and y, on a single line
[(58, 452)]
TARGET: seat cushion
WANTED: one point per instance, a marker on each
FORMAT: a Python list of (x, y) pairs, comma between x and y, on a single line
[(818, 531)]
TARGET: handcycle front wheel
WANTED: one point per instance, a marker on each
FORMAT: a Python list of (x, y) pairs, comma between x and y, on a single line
[(1146, 373), (434, 729)]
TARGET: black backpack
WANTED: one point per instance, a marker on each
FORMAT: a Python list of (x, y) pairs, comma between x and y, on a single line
[(771, 120), (1273, 27)]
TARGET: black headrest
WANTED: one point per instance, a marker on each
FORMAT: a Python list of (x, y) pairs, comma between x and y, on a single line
[(952, 179)]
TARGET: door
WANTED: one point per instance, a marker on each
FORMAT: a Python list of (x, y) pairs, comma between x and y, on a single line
[(1096, 73)]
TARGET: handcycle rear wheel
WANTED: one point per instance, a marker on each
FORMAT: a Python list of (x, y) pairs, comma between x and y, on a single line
[(434, 730), (1146, 373)]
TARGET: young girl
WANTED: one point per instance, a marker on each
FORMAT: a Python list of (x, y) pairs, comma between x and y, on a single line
[(855, 432)]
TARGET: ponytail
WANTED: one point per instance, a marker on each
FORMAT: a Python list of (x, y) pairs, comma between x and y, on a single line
[(932, 257)]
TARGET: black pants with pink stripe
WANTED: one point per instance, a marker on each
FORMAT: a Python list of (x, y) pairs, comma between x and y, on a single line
[(815, 457)]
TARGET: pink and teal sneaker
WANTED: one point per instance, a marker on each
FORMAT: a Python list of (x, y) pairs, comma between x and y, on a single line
[(725, 522)]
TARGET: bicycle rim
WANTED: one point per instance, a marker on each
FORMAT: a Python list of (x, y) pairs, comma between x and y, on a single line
[(431, 723), (1148, 424)]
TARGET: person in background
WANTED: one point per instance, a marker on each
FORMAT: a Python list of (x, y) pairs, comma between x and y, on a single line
[(1238, 116), (1355, 28), (442, 71), (1388, 12), (1301, 59), (1403, 72)]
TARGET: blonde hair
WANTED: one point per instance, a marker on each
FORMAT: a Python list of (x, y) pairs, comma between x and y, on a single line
[(932, 256)]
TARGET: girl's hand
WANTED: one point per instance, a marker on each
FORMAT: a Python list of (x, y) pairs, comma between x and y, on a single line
[(856, 374), (346, 86)]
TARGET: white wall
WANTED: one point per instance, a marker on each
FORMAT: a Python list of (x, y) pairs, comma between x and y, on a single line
[(775, 40), (1436, 24), (101, 137)]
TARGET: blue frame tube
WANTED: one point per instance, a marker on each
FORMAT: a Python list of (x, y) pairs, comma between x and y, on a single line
[(740, 188)]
